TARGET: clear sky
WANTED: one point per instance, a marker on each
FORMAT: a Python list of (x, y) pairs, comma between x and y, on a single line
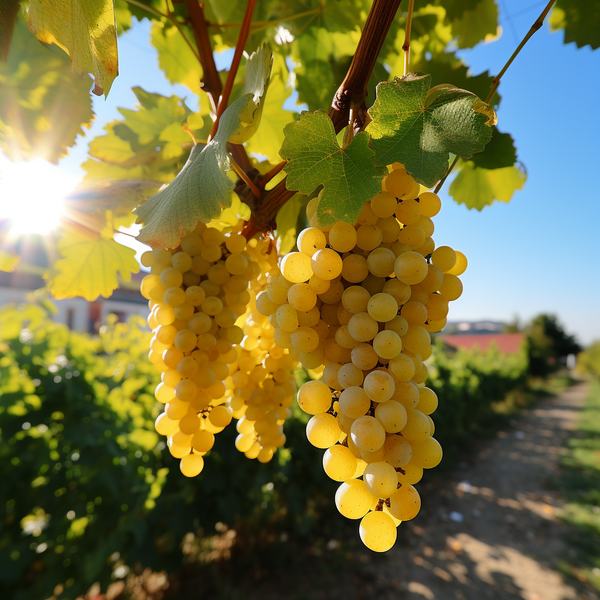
[(540, 252)]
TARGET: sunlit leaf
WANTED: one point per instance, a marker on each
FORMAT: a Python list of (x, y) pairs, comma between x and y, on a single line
[(85, 30), (476, 187), (198, 192), (420, 128), (476, 24), (256, 82), (89, 267), (8, 261), (348, 175), (580, 19), (43, 106), (287, 222)]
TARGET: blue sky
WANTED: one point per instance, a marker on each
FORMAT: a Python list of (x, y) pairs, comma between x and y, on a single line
[(540, 252)]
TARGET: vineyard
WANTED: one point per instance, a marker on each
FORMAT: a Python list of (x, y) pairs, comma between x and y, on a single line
[(288, 373)]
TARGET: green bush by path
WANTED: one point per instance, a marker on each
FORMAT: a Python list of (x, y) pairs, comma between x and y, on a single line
[(588, 361)]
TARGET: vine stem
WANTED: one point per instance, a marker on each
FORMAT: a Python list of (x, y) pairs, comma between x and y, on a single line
[(171, 18), (235, 63), (352, 92), (406, 45), (245, 178), (496, 81)]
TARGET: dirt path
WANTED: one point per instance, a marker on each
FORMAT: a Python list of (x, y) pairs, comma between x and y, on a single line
[(491, 530)]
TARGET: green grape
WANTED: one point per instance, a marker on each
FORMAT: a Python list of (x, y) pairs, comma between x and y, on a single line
[(417, 426), (461, 264), (402, 368), (397, 324), (451, 287), (342, 237), (390, 230), (355, 299), (399, 183), (379, 385), (405, 503), (374, 285), (414, 312), (368, 237), (381, 262), (364, 357), (326, 264), (354, 402), (437, 307), (323, 430), (339, 463), (413, 236), (314, 397), (412, 473), (287, 318), (399, 290), (428, 400), (392, 416), (382, 307), (384, 205), (397, 451), (444, 258), (355, 268), (368, 434), (427, 454), (433, 280), (410, 268), (408, 211), (380, 479), (416, 340), (311, 240), (301, 297), (430, 204), (354, 500), (378, 531), (387, 344), (349, 376), (363, 327), (296, 267)]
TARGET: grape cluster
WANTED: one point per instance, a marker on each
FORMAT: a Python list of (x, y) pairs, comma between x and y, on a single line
[(358, 303), (197, 292), (261, 386)]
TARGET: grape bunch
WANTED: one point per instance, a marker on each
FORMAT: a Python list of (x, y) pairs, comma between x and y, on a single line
[(261, 385), (357, 304), (197, 292)]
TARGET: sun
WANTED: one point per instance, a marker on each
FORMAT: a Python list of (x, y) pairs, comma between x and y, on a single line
[(32, 195)]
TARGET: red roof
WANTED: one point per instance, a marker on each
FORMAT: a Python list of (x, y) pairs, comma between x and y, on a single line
[(508, 343)]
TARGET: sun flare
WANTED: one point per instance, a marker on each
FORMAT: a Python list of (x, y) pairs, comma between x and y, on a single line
[(31, 195)]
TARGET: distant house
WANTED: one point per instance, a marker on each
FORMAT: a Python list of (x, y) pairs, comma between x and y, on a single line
[(508, 343), (78, 314)]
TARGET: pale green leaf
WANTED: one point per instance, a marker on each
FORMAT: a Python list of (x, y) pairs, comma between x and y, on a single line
[(85, 30), (420, 128), (477, 188), (256, 82), (89, 267), (198, 192), (348, 175), (287, 222), (476, 24)]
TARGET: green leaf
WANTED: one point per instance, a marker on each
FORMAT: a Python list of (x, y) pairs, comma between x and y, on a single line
[(198, 192), (348, 175), (580, 19), (175, 57), (85, 30), (499, 153), (43, 106), (256, 82), (268, 138), (287, 222), (476, 24), (419, 128), (476, 187), (8, 14), (89, 267), (149, 143)]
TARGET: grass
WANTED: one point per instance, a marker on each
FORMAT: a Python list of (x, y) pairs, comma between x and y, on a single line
[(581, 482)]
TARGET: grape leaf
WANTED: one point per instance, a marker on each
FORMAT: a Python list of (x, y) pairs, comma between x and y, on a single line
[(269, 136), (287, 222), (198, 192), (85, 30), (499, 153), (476, 187), (8, 14), (419, 127), (89, 267), (348, 175), (43, 106), (175, 57), (476, 24), (580, 19), (256, 82)]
